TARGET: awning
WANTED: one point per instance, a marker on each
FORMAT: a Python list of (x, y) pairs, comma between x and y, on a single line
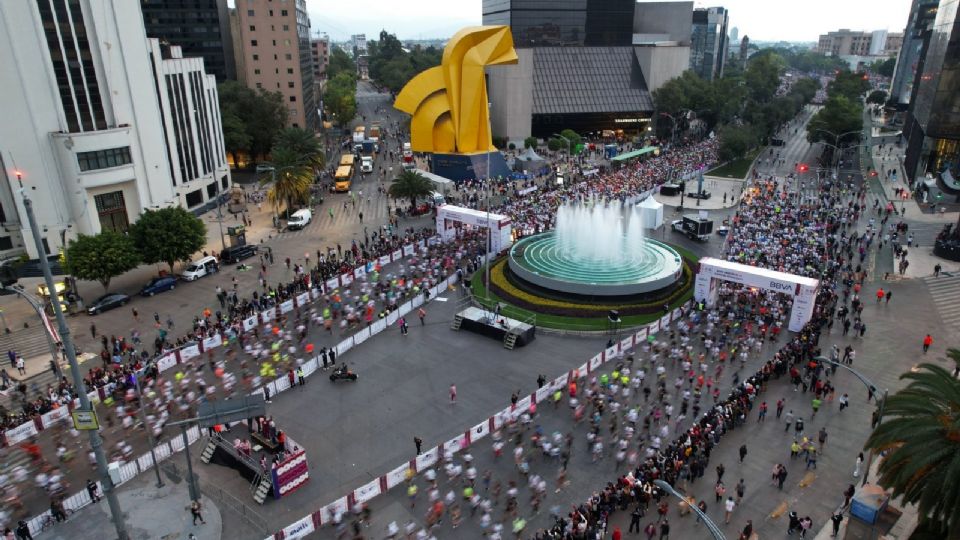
[(637, 153)]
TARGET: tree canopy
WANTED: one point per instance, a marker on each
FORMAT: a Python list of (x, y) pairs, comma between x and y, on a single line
[(251, 118), (392, 66), (848, 84), (840, 117), (920, 436), (291, 179), (303, 143), (884, 67), (101, 257), (168, 235), (340, 62), (410, 185), (340, 97)]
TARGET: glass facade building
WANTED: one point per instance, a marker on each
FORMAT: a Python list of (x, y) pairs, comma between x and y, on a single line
[(551, 23), (708, 42), (200, 27), (932, 128)]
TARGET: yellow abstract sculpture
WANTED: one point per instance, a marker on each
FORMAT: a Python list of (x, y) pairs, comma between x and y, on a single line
[(448, 103)]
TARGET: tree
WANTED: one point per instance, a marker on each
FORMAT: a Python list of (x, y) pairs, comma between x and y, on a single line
[(101, 257), (530, 142), (838, 116), (392, 66), (260, 115), (573, 137), (340, 62), (877, 96), (340, 98), (921, 442), (884, 67), (410, 185), (303, 143), (762, 76), (168, 235), (954, 355), (849, 85), (736, 141), (291, 179)]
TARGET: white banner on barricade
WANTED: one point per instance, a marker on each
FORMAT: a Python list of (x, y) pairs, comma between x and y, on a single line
[(384, 260), (422, 244), (455, 444), (542, 393), (378, 326), (560, 382), (250, 323), (332, 283), (404, 309), (408, 250), (417, 301), (359, 272), (427, 459), (361, 336), (286, 307), (309, 366), (626, 343), (176, 444), (344, 346), (676, 313), (610, 354), (396, 255), (299, 529), (128, 471), (665, 322), (582, 370), (339, 506), (56, 415), (367, 491), (268, 315), (193, 434), (479, 431), (433, 240), (522, 405), (346, 280), (653, 327), (641, 335), (145, 461), (190, 351), (166, 362), (303, 299), (212, 342), (279, 385), (596, 361), (93, 396), (392, 317), (20, 433), (397, 476), (163, 451)]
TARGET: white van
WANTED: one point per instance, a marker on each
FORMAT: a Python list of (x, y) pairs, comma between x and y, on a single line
[(299, 219), (366, 164), (199, 268)]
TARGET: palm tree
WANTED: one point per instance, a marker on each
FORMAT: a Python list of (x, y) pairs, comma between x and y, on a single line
[(922, 445), (291, 177), (410, 185), (303, 143), (954, 354)]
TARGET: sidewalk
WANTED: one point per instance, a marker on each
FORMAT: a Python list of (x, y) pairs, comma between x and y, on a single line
[(150, 513)]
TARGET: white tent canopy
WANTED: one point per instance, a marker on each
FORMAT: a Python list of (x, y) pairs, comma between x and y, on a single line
[(651, 212)]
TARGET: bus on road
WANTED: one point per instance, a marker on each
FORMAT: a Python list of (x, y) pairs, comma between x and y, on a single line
[(343, 178)]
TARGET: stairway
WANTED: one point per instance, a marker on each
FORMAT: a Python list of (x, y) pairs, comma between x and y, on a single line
[(208, 451), (510, 341), (263, 489), (457, 321), (28, 342)]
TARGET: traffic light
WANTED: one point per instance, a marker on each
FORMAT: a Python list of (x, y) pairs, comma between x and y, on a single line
[(803, 168), (873, 173)]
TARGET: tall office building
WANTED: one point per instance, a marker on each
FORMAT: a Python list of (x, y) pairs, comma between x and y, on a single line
[(708, 42), (320, 51), (932, 127), (275, 50), (101, 122), (915, 38), (586, 65), (200, 27)]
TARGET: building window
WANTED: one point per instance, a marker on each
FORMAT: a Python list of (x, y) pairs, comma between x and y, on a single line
[(271, 13), (256, 57), (250, 13), (289, 71), (290, 84), (112, 211), (259, 85), (293, 98), (103, 159), (223, 182), (211, 190), (256, 72), (6, 242), (194, 198), (253, 28), (286, 28), (288, 56), (283, 13), (253, 43)]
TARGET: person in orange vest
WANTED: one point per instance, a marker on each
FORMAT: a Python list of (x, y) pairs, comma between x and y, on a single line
[(880, 295), (927, 341)]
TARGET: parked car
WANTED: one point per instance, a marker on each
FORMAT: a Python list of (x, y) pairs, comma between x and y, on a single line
[(201, 267), (299, 219), (107, 302), (159, 285), (238, 253)]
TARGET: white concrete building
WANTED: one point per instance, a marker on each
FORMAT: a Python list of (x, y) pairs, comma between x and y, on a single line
[(81, 97)]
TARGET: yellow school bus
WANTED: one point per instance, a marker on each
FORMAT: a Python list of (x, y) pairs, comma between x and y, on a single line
[(346, 159), (343, 177)]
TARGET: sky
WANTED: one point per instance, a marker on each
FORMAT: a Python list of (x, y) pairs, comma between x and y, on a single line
[(764, 20)]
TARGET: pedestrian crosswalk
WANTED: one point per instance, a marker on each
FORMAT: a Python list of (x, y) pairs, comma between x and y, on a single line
[(945, 291)]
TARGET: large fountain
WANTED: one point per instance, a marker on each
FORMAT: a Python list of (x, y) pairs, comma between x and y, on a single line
[(596, 249)]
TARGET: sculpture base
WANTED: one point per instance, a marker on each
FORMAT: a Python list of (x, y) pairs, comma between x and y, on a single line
[(459, 167)]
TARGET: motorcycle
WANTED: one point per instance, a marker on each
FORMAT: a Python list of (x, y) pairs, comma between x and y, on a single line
[(342, 373)]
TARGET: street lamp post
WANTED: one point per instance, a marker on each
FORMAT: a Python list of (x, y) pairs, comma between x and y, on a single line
[(143, 418), (711, 526), (96, 443), (872, 391)]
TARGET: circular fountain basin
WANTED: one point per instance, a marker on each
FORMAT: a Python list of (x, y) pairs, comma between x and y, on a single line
[(646, 267)]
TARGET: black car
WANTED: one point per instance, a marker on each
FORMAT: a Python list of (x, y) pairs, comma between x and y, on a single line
[(107, 302), (238, 253), (159, 285)]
